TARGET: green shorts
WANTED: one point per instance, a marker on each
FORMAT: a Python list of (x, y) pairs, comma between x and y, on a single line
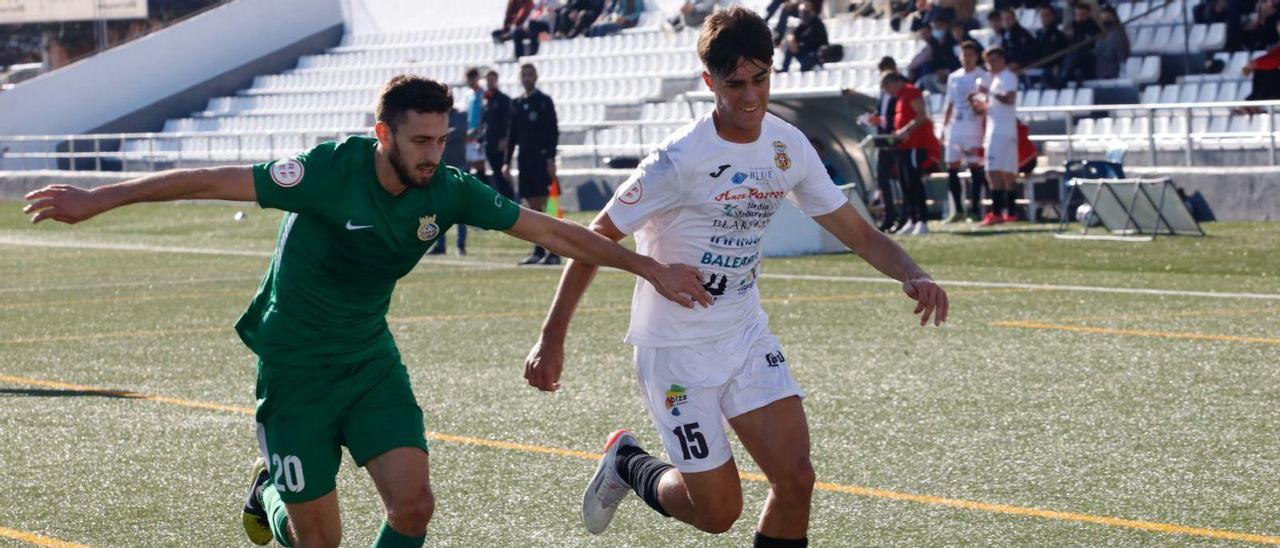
[(306, 413)]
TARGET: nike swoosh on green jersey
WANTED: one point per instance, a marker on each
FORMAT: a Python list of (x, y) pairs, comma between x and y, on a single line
[(357, 227)]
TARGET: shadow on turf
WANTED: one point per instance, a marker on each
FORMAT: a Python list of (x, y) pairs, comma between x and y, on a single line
[(1000, 232), (46, 393)]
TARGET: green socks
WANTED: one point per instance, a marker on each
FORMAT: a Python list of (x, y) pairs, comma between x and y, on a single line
[(279, 519), (389, 538), (277, 516)]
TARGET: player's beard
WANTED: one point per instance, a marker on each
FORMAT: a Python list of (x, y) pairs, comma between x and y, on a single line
[(406, 175)]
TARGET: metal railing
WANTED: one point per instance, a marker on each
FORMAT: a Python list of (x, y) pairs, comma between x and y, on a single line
[(1184, 138), (119, 151)]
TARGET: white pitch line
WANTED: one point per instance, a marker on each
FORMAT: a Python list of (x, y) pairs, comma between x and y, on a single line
[(799, 277), (1047, 287)]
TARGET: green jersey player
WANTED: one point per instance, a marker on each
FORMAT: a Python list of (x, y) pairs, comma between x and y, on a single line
[(361, 214)]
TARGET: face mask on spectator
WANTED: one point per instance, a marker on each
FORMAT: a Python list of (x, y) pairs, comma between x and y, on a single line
[(939, 34)]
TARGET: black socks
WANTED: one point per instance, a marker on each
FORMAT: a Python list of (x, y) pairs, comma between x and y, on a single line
[(770, 542), (642, 472)]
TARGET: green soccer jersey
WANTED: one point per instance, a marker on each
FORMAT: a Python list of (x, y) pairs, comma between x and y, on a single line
[(341, 247)]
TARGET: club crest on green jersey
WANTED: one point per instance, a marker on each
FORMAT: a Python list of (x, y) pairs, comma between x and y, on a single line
[(427, 228)]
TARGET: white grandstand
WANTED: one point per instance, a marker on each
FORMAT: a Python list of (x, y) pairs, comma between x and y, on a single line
[(619, 95)]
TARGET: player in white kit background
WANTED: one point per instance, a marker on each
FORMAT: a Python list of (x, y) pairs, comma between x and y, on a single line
[(964, 131), (705, 197), (996, 97)]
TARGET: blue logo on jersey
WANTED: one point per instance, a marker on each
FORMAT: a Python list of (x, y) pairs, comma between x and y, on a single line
[(739, 177)]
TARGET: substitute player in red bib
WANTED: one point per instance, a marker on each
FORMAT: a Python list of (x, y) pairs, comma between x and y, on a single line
[(361, 214), (706, 196)]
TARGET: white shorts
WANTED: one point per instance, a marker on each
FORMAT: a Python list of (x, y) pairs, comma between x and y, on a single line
[(690, 391), (1002, 154), (961, 140), (474, 152)]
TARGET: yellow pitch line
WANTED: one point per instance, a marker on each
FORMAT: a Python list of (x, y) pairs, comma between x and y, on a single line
[(868, 492), (37, 539), (1134, 332), (1208, 313)]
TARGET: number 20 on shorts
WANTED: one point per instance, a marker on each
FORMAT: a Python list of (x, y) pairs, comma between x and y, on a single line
[(288, 473)]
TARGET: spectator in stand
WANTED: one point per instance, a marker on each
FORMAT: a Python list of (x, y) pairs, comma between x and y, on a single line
[(1260, 30), (966, 14), (936, 60), (786, 9), (621, 14), (517, 13), (1070, 21), (1017, 41), (996, 23), (1112, 48), (803, 42), (1049, 41), (917, 19), (576, 17), (692, 14), (996, 97), (917, 150), (960, 35), (1265, 71), (1222, 11), (497, 127), (1079, 65)]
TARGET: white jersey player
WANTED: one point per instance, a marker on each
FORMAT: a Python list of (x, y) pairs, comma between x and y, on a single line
[(704, 198), (1000, 142), (964, 129)]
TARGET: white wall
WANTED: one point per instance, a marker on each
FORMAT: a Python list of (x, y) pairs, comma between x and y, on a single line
[(109, 85), (379, 16)]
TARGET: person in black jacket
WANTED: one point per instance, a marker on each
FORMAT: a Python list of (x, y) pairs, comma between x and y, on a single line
[(535, 131), (1016, 41), (802, 43), (1079, 64), (497, 127), (1050, 40)]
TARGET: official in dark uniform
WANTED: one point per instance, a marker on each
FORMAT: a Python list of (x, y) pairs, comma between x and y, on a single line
[(535, 132), (497, 127)]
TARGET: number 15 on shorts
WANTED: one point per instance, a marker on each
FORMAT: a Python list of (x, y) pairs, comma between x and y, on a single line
[(692, 442)]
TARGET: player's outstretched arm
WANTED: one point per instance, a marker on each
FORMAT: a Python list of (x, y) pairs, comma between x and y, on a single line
[(70, 204), (888, 257), (543, 366), (681, 284)]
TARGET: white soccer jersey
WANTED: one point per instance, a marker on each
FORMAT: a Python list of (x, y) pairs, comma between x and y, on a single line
[(704, 201), (960, 85), (1002, 119)]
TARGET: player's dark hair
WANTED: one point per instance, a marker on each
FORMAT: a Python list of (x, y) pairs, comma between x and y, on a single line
[(731, 35), (995, 50), (473, 72), (971, 45), (887, 63), (994, 15), (490, 72), (891, 78), (405, 92)]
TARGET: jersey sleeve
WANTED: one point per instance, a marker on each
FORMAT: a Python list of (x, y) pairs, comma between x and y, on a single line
[(815, 194), (300, 184), (654, 188), (484, 208)]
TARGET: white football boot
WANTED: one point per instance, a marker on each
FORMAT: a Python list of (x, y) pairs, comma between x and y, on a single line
[(607, 488)]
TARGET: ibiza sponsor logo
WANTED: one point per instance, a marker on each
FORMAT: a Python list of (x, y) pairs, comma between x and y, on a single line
[(728, 261), (676, 397), (775, 358)]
